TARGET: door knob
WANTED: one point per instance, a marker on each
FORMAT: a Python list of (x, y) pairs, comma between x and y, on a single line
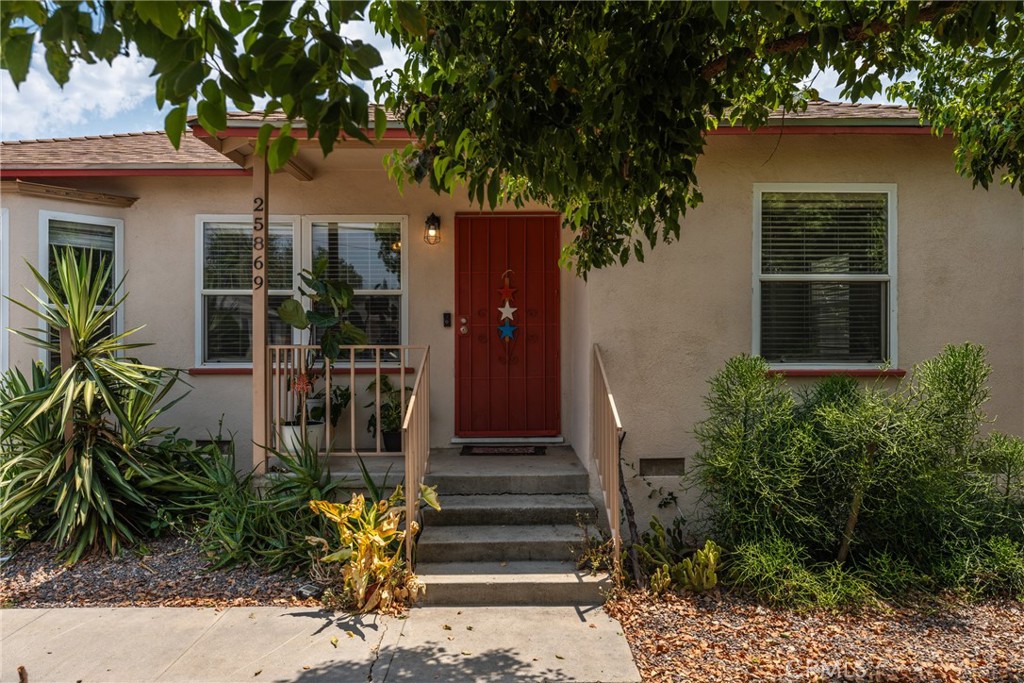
[(463, 330)]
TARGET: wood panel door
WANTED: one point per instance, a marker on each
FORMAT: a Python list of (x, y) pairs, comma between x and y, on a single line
[(507, 318)]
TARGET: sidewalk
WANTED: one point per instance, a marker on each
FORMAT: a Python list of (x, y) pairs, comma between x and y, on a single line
[(490, 644)]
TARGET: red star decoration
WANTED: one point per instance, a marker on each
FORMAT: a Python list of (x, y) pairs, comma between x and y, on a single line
[(506, 293)]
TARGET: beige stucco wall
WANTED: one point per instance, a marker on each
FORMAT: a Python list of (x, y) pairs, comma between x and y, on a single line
[(665, 326), (960, 259), (159, 257)]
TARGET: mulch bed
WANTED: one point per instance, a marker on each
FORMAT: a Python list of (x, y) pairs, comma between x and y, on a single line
[(726, 638), (172, 573)]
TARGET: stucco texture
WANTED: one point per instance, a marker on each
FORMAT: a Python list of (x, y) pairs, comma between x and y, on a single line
[(664, 326), (960, 257)]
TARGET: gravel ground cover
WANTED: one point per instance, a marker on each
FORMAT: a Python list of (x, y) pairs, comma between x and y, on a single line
[(172, 573), (725, 638)]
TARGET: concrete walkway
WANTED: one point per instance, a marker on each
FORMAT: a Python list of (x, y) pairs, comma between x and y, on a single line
[(489, 644)]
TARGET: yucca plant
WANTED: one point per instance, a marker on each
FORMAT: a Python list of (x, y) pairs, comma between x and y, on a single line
[(79, 454)]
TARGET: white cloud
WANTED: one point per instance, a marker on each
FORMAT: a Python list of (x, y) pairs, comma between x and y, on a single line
[(98, 98)]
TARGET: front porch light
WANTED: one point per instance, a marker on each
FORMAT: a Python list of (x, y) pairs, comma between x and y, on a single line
[(432, 230)]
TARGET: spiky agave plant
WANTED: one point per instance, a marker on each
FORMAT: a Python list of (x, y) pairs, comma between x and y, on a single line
[(78, 453)]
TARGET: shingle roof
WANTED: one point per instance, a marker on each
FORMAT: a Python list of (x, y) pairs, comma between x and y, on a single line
[(257, 118), (151, 150), (868, 112)]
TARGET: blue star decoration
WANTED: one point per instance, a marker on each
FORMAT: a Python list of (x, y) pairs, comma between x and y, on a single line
[(506, 330)]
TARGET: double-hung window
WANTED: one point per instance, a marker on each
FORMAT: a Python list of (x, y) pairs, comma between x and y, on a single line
[(224, 310), (102, 237), (366, 252), (825, 275)]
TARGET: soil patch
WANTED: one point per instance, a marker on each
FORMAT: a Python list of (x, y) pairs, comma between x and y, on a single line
[(726, 638), (172, 572)]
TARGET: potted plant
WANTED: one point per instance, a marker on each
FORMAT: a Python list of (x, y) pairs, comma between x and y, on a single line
[(341, 396), (328, 301), (390, 413), (293, 434)]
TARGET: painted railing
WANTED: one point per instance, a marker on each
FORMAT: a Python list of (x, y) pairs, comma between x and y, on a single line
[(416, 442), (298, 377), (607, 433)]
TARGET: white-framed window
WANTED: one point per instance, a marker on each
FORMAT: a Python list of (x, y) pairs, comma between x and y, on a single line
[(824, 285), (103, 236), (366, 252), (224, 286), (5, 289)]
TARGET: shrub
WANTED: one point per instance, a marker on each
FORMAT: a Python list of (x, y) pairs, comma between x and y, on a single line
[(81, 460), (894, 487), (238, 522), (369, 546)]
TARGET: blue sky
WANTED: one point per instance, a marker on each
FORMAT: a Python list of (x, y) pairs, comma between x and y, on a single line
[(118, 98)]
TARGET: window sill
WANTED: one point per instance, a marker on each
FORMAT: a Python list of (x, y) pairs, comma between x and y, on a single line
[(829, 372), (370, 370)]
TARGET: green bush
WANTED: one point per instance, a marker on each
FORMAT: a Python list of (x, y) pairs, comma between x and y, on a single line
[(237, 522), (867, 489), (103, 480)]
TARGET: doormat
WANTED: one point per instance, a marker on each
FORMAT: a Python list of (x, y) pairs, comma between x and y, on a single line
[(503, 450)]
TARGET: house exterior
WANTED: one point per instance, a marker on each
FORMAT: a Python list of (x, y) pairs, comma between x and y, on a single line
[(839, 240)]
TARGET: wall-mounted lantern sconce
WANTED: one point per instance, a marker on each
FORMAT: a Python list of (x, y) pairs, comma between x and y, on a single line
[(432, 229)]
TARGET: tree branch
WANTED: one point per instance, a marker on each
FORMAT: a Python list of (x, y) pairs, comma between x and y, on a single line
[(853, 33)]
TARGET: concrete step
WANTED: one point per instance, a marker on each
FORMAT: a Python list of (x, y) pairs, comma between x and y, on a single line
[(499, 509), (510, 583), (525, 483), (490, 543)]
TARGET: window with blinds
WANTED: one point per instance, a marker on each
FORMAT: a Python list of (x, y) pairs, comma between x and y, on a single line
[(825, 277), (82, 237), (368, 256), (226, 289)]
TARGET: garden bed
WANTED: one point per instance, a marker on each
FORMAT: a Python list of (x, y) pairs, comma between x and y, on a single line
[(725, 638), (171, 573)]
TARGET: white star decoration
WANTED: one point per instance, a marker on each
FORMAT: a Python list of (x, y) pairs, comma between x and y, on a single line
[(507, 310)]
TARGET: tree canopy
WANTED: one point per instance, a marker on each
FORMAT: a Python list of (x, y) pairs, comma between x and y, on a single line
[(599, 110)]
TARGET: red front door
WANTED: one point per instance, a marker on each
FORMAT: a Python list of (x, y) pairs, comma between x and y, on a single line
[(507, 368)]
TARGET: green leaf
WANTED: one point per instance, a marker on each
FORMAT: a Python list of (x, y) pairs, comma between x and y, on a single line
[(292, 313), (380, 122), (411, 19), (17, 55), (281, 150), (58, 64), (721, 10), (163, 15), (174, 124)]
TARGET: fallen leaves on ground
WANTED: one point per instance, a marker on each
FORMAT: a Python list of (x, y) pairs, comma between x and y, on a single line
[(715, 638), (173, 573)]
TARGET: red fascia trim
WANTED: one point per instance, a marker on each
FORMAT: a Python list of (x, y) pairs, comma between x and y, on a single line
[(829, 372), (8, 173), (248, 132), (341, 372), (824, 130)]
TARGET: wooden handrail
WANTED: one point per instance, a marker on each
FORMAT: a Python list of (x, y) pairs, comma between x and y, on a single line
[(607, 434)]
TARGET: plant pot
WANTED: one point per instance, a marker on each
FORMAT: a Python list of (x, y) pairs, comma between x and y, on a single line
[(392, 441), (291, 437)]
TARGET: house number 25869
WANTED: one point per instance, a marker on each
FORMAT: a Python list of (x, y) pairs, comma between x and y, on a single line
[(258, 244)]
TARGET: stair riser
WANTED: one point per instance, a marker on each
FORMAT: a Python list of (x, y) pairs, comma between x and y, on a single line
[(496, 552), (460, 595), (497, 516), (522, 485)]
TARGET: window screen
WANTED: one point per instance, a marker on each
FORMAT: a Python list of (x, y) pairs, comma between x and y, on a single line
[(227, 289), (824, 279), (368, 256)]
